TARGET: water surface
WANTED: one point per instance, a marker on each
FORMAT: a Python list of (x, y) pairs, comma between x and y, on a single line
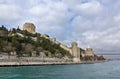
[(107, 70)]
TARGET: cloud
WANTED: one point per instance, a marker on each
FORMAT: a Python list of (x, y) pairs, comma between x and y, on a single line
[(89, 8), (39, 10), (9, 12), (89, 22), (117, 18), (52, 17)]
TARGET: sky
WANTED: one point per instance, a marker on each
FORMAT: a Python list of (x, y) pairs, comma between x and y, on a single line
[(91, 23)]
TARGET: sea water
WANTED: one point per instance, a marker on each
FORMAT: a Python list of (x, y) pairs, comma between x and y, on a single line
[(106, 70)]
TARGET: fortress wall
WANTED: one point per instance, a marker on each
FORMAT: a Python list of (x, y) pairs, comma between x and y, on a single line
[(61, 45), (75, 51), (65, 47)]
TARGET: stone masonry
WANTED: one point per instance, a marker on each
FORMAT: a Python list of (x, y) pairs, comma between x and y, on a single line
[(74, 50), (30, 27)]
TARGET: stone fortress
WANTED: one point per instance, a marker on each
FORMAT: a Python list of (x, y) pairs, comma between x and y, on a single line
[(74, 50), (30, 27)]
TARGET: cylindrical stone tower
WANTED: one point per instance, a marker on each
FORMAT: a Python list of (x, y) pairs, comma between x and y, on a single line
[(30, 27), (75, 52)]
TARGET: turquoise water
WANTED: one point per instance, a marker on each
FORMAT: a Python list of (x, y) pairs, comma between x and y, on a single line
[(107, 70)]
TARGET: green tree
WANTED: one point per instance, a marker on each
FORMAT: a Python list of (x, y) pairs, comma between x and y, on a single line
[(8, 48), (14, 30), (1, 44), (38, 38), (17, 45)]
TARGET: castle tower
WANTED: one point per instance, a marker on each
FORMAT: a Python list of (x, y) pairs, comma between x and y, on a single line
[(30, 27), (89, 52), (75, 51)]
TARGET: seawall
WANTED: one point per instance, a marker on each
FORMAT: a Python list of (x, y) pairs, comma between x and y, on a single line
[(40, 62)]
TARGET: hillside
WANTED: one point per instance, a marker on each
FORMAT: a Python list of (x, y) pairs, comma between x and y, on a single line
[(24, 43)]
